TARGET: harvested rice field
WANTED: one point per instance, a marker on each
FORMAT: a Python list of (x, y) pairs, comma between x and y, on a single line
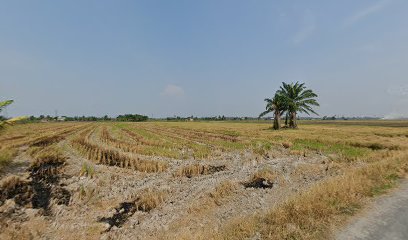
[(193, 180)]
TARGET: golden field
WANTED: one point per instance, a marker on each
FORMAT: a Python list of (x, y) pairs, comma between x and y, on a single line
[(192, 180)]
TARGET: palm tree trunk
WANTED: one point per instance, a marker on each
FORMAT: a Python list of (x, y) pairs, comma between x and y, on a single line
[(286, 119), (276, 121), (293, 120)]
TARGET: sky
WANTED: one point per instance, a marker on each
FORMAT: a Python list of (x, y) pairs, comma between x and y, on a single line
[(202, 58)]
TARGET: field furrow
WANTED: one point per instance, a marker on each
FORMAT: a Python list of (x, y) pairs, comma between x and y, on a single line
[(159, 180)]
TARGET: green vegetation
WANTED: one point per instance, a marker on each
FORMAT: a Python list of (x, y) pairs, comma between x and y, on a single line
[(87, 170), (4, 121), (343, 150), (276, 105), (132, 118), (297, 99), (291, 98)]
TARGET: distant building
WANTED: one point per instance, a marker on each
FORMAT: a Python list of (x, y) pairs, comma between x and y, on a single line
[(62, 118)]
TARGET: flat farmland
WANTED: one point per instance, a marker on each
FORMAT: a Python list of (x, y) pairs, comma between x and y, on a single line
[(193, 180)]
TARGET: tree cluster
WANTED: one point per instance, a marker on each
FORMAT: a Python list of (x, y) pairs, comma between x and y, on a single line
[(123, 118), (132, 118), (290, 99)]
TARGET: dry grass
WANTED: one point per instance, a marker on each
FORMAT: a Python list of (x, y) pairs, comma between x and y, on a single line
[(287, 144), (46, 140), (46, 160), (13, 186), (87, 194), (87, 170), (37, 134), (146, 200), (197, 170), (6, 157), (149, 199), (375, 145), (315, 171), (34, 229), (312, 214), (203, 207), (222, 191), (11, 182), (114, 157), (364, 160), (123, 145), (264, 178)]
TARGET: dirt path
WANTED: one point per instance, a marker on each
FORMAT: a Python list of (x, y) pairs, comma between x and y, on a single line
[(387, 218)]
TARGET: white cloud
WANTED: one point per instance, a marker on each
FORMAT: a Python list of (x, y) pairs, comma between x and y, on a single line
[(378, 6), (308, 26), (173, 91)]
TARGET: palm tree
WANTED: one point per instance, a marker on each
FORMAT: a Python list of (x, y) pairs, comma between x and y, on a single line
[(297, 99), (277, 106), (4, 104)]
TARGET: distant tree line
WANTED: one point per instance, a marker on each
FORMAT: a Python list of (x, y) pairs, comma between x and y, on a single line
[(349, 118), (85, 118), (209, 118), (192, 118), (333, 118), (132, 118), (123, 118)]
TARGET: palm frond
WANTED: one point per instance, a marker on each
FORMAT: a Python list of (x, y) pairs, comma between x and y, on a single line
[(264, 113), (15, 120), (5, 103)]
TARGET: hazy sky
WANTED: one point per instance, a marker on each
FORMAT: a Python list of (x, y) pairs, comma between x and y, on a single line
[(200, 58)]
